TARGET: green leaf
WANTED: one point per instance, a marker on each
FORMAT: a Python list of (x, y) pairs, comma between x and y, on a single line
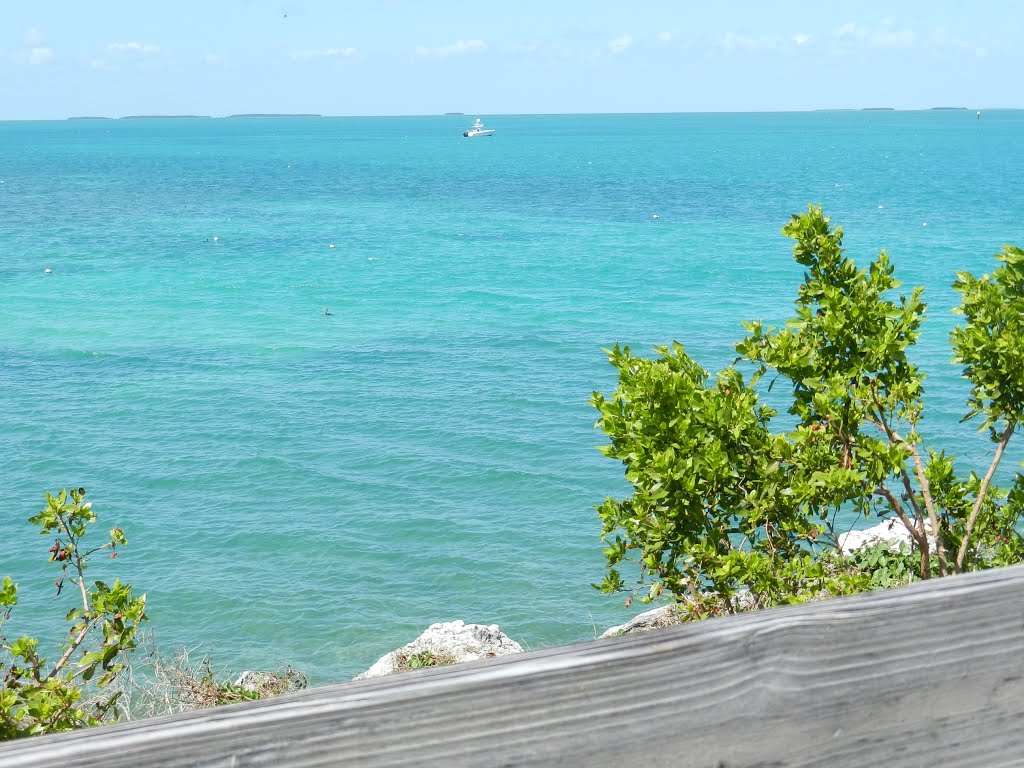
[(8, 592)]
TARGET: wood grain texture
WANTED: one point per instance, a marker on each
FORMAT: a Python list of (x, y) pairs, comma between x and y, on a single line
[(928, 675)]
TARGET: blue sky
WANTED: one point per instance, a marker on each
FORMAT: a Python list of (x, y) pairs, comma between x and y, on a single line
[(392, 57)]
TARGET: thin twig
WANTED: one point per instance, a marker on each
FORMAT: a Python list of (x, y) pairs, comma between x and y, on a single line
[(73, 646), (78, 562)]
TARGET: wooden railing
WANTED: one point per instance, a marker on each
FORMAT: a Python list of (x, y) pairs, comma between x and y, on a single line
[(927, 675)]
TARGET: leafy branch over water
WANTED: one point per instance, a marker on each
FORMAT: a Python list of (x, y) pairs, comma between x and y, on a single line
[(728, 514), (38, 697)]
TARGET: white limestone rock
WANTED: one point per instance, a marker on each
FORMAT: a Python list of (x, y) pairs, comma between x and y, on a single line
[(657, 618), (672, 614), (452, 641), (891, 532)]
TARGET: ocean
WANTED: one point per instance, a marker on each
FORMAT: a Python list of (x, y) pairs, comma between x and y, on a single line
[(316, 489)]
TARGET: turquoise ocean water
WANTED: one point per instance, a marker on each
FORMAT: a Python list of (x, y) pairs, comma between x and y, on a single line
[(317, 489)]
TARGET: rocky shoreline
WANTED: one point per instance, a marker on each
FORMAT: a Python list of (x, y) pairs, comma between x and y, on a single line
[(453, 642)]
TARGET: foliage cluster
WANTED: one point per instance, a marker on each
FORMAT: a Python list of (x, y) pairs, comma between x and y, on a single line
[(727, 512), (197, 687), (95, 680), (423, 659), (38, 697)]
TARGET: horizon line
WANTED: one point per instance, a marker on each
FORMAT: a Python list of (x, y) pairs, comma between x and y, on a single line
[(269, 115)]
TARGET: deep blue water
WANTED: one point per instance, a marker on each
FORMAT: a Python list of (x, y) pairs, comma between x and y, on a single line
[(318, 489)]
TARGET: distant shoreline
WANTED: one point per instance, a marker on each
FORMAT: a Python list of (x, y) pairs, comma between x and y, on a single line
[(268, 115), (273, 114), (164, 117), (191, 117)]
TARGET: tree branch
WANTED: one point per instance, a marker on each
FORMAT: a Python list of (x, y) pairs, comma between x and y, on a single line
[(916, 531), (926, 493), (979, 500), (929, 505), (78, 562), (73, 646)]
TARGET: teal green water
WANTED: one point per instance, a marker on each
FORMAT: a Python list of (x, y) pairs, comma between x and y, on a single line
[(317, 489)]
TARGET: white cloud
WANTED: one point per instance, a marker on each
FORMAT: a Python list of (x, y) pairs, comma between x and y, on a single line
[(942, 39), (329, 53), (143, 49), (903, 38), (665, 36), (117, 54), (619, 44), (801, 39), (882, 36), (733, 42), (456, 48), (851, 30), (40, 55), (34, 38), (212, 59)]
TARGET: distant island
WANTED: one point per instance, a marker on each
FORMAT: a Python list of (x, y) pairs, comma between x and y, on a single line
[(273, 114), (948, 108), (878, 109), (454, 113), (165, 117), (188, 117)]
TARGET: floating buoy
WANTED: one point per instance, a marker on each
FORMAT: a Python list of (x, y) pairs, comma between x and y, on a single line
[(881, 207), (215, 238), (48, 271), (331, 245), (924, 223)]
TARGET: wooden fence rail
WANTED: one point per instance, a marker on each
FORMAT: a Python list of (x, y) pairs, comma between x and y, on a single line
[(927, 675)]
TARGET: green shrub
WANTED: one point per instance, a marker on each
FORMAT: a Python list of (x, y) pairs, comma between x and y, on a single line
[(729, 511), (41, 697)]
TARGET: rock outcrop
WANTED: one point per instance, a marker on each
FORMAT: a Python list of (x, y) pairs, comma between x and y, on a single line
[(675, 613), (445, 643), (891, 532), (271, 683), (657, 618)]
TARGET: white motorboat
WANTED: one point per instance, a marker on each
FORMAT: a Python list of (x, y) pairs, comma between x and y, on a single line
[(477, 130)]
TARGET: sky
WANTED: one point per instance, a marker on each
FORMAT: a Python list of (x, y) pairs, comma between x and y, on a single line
[(61, 58)]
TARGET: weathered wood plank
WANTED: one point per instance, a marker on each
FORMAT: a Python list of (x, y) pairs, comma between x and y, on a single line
[(932, 674)]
